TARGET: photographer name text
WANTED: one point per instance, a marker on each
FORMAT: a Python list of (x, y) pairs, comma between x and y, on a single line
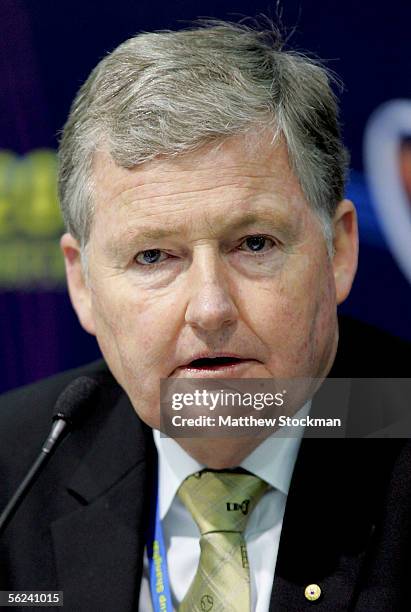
[(252, 421)]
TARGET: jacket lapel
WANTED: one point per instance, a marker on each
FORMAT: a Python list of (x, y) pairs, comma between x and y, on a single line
[(99, 542), (334, 498), (325, 529), (334, 504)]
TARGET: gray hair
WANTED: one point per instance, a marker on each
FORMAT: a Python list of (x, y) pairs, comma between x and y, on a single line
[(170, 92)]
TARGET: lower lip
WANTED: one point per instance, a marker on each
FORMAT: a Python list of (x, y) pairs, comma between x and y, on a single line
[(226, 369)]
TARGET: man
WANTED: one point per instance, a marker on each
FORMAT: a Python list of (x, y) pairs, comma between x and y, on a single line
[(202, 183)]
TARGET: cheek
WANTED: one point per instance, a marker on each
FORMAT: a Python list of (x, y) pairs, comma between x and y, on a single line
[(327, 305), (322, 323), (296, 317), (131, 328), (286, 304), (132, 341)]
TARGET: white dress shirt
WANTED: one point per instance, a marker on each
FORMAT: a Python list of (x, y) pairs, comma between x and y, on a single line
[(273, 461)]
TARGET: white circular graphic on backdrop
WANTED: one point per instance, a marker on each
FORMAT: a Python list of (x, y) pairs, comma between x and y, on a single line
[(382, 140)]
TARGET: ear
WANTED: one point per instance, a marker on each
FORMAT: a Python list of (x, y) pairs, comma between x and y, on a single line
[(345, 241), (79, 291)]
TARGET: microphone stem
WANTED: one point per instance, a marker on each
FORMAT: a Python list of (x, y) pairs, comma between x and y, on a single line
[(55, 436)]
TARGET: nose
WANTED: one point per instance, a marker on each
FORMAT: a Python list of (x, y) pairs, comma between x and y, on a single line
[(210, 306)]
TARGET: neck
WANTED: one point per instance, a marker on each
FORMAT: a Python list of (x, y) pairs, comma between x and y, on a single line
[(220, 453)]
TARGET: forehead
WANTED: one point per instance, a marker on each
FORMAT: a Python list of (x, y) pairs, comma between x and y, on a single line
[(237, 175)]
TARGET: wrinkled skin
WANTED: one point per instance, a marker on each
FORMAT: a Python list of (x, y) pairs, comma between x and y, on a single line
[(204, 286)]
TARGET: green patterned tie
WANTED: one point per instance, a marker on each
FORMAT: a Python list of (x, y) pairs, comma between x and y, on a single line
[(221, 503)]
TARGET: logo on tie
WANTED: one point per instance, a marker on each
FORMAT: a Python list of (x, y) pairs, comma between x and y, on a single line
[(206, 603), (234, 506)]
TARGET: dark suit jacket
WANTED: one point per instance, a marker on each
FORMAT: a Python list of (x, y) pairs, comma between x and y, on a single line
[(347, 525)]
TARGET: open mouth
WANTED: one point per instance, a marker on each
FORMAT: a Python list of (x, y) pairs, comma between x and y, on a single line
[(213, 363)]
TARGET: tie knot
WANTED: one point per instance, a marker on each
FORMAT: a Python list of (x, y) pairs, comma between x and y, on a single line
[(221, 501)]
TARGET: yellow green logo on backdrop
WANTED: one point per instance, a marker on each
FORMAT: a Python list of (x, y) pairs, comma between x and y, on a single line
[(30, 220)]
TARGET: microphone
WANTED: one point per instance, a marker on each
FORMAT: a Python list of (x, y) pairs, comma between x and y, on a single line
[(71, 408)]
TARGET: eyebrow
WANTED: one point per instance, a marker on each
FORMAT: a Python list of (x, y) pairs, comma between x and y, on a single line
[(245, 220), (279, 221)]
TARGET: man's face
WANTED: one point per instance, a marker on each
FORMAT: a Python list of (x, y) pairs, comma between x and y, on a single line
[(215, 252)]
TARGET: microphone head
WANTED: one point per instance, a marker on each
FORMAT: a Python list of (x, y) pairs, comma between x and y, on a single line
[(74, 402)]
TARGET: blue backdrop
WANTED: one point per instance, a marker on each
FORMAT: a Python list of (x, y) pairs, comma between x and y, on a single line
[(47, 49)]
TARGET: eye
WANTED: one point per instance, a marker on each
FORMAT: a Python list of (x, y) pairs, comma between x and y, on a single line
[(151, 256), (257, 244)]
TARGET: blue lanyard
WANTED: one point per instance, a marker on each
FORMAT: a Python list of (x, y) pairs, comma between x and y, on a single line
[(157, 559)]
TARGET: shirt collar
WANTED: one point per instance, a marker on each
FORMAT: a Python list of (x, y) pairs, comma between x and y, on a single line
[(273, 461)]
